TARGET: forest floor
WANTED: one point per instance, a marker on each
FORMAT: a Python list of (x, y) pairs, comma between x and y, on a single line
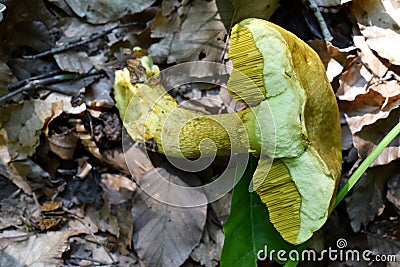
[(68, 197)]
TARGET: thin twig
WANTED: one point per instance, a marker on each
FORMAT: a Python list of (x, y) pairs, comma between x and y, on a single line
[(324, 28), (45, 81), (83, 40), (14, 86)]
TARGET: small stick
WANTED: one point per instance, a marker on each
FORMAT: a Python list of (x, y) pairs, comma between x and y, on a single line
[(49, 80), (82, 41), (12, 87), (324, 28)]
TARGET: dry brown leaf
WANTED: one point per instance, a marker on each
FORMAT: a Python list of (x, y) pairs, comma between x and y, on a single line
[(164, 234), (82, 224), (117, 183), (385, 42), (74, 27), (94, 250), (116, 158), (24, 28), (86, 138), (64, 144), (233, 11), (370, 116), (10, 236), (367, 139), (200, 37), (66, 101), (353, 80), (169, 18), (387, 89), (103, 218), (380, 13), (18, 210), (366, 109), (333, 57), (102, 11), (125, 222), (40, 249), (23, 125), (367, 198), (137, 160), (208, 253), (369, 102), (74, 61), (374, 65), (99, 94)]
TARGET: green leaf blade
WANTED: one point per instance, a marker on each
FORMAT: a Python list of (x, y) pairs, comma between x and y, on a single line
[(248, 228)]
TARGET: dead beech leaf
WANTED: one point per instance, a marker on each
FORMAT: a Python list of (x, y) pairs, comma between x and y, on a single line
[(387, 89), (366, 109), (119, 189), (370, 116), (116, 158), (333, 57), (23, 125), (169, 18), (103, 218), (201, 36), (367, 198), (380, 13), (74, 27), (190, 31), (102, 11), (18, 210), (74, 61), (377, 39), (165, 235), (354, 79), (20, 130), (99, 94), (137, 160), (64, 144), (374, 65), (366, 139), (40, 249), (208, 253)]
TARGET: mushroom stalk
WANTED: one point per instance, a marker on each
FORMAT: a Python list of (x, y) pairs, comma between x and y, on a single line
[(156, 119)]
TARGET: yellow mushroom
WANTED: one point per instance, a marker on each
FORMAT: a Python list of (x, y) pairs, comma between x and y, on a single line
[(287, 80)]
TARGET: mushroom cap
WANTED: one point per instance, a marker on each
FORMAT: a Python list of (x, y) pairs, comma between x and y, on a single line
[(291, 82)]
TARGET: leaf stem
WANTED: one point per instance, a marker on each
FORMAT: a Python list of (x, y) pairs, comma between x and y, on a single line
[(365, 164)]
